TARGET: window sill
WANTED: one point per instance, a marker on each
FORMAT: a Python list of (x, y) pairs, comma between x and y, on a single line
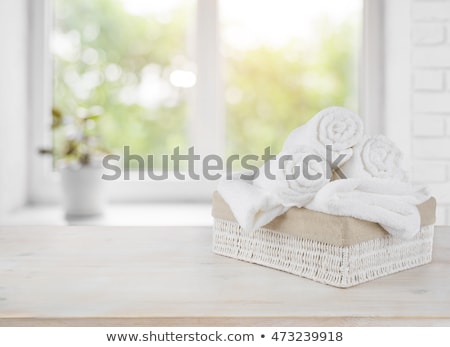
[(173, 214)]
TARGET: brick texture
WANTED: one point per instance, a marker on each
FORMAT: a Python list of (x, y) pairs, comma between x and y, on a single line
[(428, 33), (430, 94), (429, 171), (431, 10), (432, 148), (438, 56), (429, 125), (428, 80), (431, 102)]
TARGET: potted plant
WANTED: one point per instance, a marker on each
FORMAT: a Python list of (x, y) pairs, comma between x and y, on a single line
[(77, 156)]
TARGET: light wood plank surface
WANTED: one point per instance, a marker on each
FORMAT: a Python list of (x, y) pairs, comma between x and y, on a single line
[(167, 276)]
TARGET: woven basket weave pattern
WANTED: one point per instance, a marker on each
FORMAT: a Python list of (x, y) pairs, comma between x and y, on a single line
[(340, 266)]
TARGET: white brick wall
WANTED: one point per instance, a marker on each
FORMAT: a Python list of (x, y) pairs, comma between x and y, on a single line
[(428, 80), (429, 171), (431, 56), (431, 147), (448, 127), (431, 10), (428, 34), (431, 99), (429, 125), (432, 102)]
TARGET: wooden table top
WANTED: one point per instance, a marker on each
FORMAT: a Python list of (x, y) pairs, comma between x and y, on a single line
[(168, 276)]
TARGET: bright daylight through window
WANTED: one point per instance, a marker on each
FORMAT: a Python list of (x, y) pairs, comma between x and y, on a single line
[(132, 63)]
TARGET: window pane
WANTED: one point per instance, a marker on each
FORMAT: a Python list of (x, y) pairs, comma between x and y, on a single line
[(130, 61), (284, 61)]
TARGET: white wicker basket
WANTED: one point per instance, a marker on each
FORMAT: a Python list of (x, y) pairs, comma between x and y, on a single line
[(340, 266)]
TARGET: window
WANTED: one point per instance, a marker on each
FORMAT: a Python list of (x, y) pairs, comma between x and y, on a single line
[(130, 62), (228, 76), (285, 60)]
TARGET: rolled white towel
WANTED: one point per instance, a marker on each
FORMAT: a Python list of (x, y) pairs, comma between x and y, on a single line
[(390, 203), (294, 178), (335, 126), (377, 157), (297, 178), (286, 181)]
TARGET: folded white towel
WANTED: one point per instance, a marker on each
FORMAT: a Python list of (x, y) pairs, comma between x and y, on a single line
[(335, 126), (390, 203), (294, 178), (287, 180), (251, 206), (375, 156)]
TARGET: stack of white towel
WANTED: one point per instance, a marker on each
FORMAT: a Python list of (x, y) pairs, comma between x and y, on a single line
[(375, 187)]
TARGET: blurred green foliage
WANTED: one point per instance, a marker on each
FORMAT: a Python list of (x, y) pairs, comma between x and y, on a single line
[(103, 55), (273, 91)]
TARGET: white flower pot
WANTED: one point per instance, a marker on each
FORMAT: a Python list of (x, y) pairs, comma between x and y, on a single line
[(83, 191)]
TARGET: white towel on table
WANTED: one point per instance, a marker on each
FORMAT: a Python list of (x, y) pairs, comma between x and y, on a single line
[(375, 156), (390, 203)]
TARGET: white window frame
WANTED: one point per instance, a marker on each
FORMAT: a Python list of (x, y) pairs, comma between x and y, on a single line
[(386, 72), (397, 74), (207, 133)]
